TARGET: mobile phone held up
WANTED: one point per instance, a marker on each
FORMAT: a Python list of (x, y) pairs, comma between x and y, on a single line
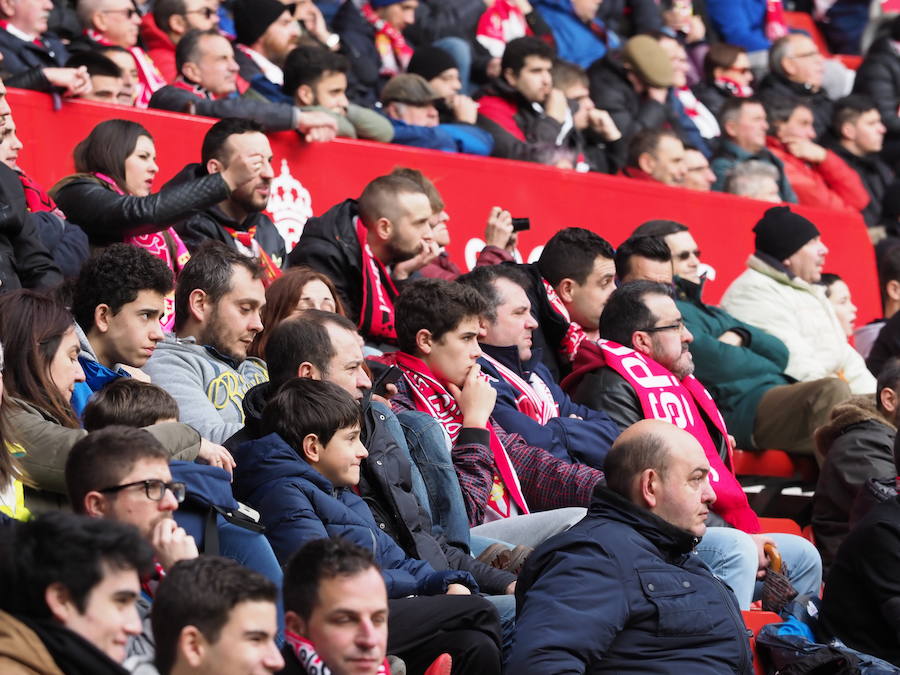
[(521, 224)]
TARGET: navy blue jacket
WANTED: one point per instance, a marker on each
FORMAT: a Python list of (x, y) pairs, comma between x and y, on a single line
[(298, 504), (19, 56), (585, 440), (621, 592)]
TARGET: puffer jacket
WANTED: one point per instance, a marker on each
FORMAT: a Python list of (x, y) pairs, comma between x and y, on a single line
[(576, 40), (108, 217), (858, 444), (622, 592), (799, 315), (737, 377), (297, 504)]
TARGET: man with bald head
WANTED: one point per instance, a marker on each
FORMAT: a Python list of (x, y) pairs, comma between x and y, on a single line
[(623, 583)]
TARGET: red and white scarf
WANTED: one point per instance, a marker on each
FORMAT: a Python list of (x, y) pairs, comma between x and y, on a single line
[(776, 26), (430, 396), (165, 245), (247, 239), (534, 397), (664, 398), (149, 78), (309, 659), (376, 312), (575, 334), (395, 53), (36, 199)]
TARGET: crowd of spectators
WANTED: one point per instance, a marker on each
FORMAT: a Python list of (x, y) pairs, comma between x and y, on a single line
[(220, 453)]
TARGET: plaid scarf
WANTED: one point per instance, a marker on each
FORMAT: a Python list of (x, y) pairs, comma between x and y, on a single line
[(534, 397), (575, 334), (309, 659), (395, 53), (430, 396), (376, 312), (149, 78)]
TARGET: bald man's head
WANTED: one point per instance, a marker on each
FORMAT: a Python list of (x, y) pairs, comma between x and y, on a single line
[(663, 469)]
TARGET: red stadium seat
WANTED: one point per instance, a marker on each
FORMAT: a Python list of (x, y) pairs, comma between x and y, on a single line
[(803, 21), (780, 525), (754, 620), (774, 463)]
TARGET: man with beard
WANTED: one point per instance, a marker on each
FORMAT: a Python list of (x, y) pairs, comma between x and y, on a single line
[(364, 246), (204, 366), (239, 221), (642, 369), (266, 33)]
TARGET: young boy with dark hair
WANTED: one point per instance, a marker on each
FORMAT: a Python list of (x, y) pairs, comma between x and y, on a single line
[(503, 479), (131, 403), (300, 475)]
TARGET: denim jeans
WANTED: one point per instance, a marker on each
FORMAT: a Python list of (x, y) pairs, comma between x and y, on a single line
[(252, 550), (461, 52), (506, 608), (429, 446), (732, 556), (531, 529)]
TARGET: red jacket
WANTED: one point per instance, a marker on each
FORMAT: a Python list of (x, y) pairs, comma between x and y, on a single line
[(160, 48), (831, 184)]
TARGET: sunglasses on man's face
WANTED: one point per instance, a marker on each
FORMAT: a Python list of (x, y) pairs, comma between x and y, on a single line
[(207, 12), (684, 255)]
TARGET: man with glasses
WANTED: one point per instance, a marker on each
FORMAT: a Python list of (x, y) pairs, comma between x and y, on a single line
[(797, 71), (642, 368), (122, 474), (117, 22), (169, 21), (742, 365)]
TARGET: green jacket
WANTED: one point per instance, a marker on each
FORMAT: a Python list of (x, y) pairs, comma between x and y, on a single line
[(737, 377)]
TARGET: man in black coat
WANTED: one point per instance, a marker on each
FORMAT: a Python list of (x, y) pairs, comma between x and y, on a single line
[(25, 42), (858, 138), (238, 221), (878, 77)]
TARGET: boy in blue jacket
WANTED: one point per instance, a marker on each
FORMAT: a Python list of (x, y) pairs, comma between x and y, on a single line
[(300, 477)]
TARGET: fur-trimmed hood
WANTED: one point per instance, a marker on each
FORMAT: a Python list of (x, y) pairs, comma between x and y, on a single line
[(854, 411)]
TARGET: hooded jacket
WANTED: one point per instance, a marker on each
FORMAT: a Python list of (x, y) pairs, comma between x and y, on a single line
[(21, 650), (577, 434), (521, 129), (737, 377), (621, 592), (298, 504), (208, 386), (798, 314), (831, 184), (576, 40), (385, 486), (96, 375), (210, 223), (857, 444)]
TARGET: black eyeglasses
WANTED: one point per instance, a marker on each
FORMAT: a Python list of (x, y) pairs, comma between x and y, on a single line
[(154, 488), (684, 255), (679, 326), (129, 13), (205, 11)]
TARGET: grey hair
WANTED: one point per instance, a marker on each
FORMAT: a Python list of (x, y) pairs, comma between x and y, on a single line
[(780, 50), (746, 177)]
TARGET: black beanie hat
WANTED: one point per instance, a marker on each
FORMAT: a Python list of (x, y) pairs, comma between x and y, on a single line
[(429, 62), (253, 17), (780, 233)]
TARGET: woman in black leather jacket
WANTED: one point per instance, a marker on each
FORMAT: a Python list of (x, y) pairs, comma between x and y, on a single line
[(110, 195)]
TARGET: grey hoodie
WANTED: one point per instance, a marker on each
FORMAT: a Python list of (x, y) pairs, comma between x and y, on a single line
[(208, 387)]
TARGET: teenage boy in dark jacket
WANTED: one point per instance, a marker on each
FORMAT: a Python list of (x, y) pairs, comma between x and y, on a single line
[(300, 477)]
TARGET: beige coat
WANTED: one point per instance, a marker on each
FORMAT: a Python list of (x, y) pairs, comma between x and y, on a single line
[(21, 650), (798, 314)]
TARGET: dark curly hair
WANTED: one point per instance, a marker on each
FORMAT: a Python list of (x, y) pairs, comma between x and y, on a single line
[(114, 277)]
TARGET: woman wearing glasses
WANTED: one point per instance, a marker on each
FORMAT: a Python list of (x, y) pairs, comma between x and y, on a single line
[(38, 384)]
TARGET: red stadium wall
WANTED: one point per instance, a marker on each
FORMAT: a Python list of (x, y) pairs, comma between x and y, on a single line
[(310, 178)]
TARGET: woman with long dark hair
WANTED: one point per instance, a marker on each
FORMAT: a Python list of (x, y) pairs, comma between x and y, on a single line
[(38, 383), (110, 196)]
